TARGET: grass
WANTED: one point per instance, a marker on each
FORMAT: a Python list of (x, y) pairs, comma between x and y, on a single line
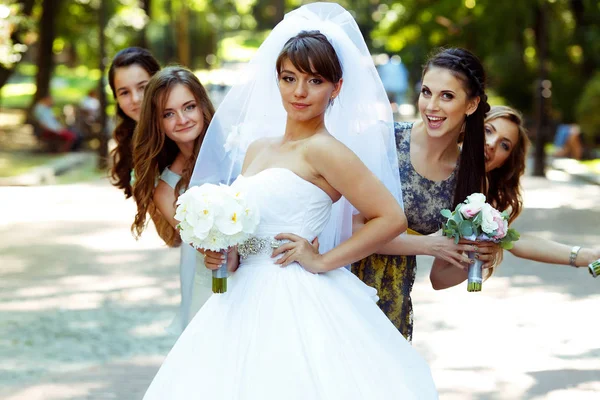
[(68, 86), (82, 173), (17, 163), (593, 165)]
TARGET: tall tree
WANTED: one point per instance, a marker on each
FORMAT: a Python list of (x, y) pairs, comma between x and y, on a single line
[(143, 40), (45, 59), (181, 20), (542, 89), (103, 148)]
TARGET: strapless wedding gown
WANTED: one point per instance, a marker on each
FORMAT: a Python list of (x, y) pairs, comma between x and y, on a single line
[(282, 333)]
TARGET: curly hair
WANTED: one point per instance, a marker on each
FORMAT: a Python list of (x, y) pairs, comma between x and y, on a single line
[(465, 66), (504, 191), (153, 150), (122, 162)]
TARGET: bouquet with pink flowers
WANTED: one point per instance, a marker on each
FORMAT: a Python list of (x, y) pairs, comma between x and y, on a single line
[(477, 220)]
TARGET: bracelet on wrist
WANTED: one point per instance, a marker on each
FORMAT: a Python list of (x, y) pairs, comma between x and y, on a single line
[(594, 268), (573, 256)]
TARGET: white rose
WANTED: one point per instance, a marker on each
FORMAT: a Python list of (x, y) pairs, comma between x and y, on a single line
[(476, 198), (488, 223)]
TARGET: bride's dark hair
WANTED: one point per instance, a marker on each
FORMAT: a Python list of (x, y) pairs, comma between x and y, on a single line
[(311, 53)]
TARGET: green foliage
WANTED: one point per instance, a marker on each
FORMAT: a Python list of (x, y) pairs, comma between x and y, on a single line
[(16, 30), (587, 108), (13, 163), (414, 28), (229, 30), (68, 86), (512, 236)]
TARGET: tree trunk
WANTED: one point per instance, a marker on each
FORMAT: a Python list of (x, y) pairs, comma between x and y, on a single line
[(103, 148), (5, 73), (268, 13), (143, 40), (182, 33), (541, 96), (582, 24), (45, 59)]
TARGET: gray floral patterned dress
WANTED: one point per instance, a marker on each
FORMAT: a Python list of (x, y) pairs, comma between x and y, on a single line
[(394, 276)]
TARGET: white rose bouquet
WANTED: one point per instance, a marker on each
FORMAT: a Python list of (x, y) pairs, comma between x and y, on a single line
[(477, 220), (215, 217)]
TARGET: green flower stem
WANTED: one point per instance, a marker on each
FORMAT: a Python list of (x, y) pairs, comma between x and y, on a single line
[(219, 278), (219, 285)]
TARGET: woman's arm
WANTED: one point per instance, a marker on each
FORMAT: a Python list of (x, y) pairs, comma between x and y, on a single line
[(164, 199), (428, 245), (344, 171), (443, 275), (550, 252)]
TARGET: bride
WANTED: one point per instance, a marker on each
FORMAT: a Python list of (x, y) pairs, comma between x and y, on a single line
[(294, 323)]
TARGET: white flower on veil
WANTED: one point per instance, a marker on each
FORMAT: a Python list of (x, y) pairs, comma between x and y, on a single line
[(233, 139), (240, 136)]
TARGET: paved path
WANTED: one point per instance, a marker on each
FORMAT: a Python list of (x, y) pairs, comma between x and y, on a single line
[(83, 305)]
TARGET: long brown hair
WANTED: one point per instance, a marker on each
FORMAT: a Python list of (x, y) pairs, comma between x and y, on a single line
[(466, 66), (122, 162), (504, 188), (153, 151)]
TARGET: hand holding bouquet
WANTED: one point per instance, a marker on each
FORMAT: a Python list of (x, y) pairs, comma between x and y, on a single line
[(215, 217), (477, 220)]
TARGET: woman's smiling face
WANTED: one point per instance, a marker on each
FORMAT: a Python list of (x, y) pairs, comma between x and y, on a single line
[(501, 136)]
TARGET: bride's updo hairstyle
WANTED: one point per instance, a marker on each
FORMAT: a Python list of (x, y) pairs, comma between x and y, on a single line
[(311, 53)]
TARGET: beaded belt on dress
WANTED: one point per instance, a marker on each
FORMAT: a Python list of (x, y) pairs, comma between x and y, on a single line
[(258, 245)]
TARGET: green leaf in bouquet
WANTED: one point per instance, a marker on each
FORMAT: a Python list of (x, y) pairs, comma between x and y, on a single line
[(456, 237), (506, 245), (452, 224), (458, 217), (505, 214), (478, 219), (446, 213), (512, 235), (465, 228)]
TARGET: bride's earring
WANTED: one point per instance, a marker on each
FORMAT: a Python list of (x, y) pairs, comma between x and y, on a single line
[(331, 101)]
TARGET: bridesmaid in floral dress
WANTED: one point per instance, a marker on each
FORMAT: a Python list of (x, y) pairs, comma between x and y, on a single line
[(436, 174)]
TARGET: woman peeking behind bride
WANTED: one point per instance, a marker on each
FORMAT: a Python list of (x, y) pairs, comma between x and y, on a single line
[(295, 324)]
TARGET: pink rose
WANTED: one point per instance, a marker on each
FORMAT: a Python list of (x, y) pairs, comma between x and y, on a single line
[(470, 210), (502, 225)]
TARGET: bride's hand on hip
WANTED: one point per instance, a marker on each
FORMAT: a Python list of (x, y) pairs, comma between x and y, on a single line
[(299, 250)]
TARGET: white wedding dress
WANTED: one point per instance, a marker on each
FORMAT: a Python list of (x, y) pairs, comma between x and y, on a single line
[(284, 333)]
